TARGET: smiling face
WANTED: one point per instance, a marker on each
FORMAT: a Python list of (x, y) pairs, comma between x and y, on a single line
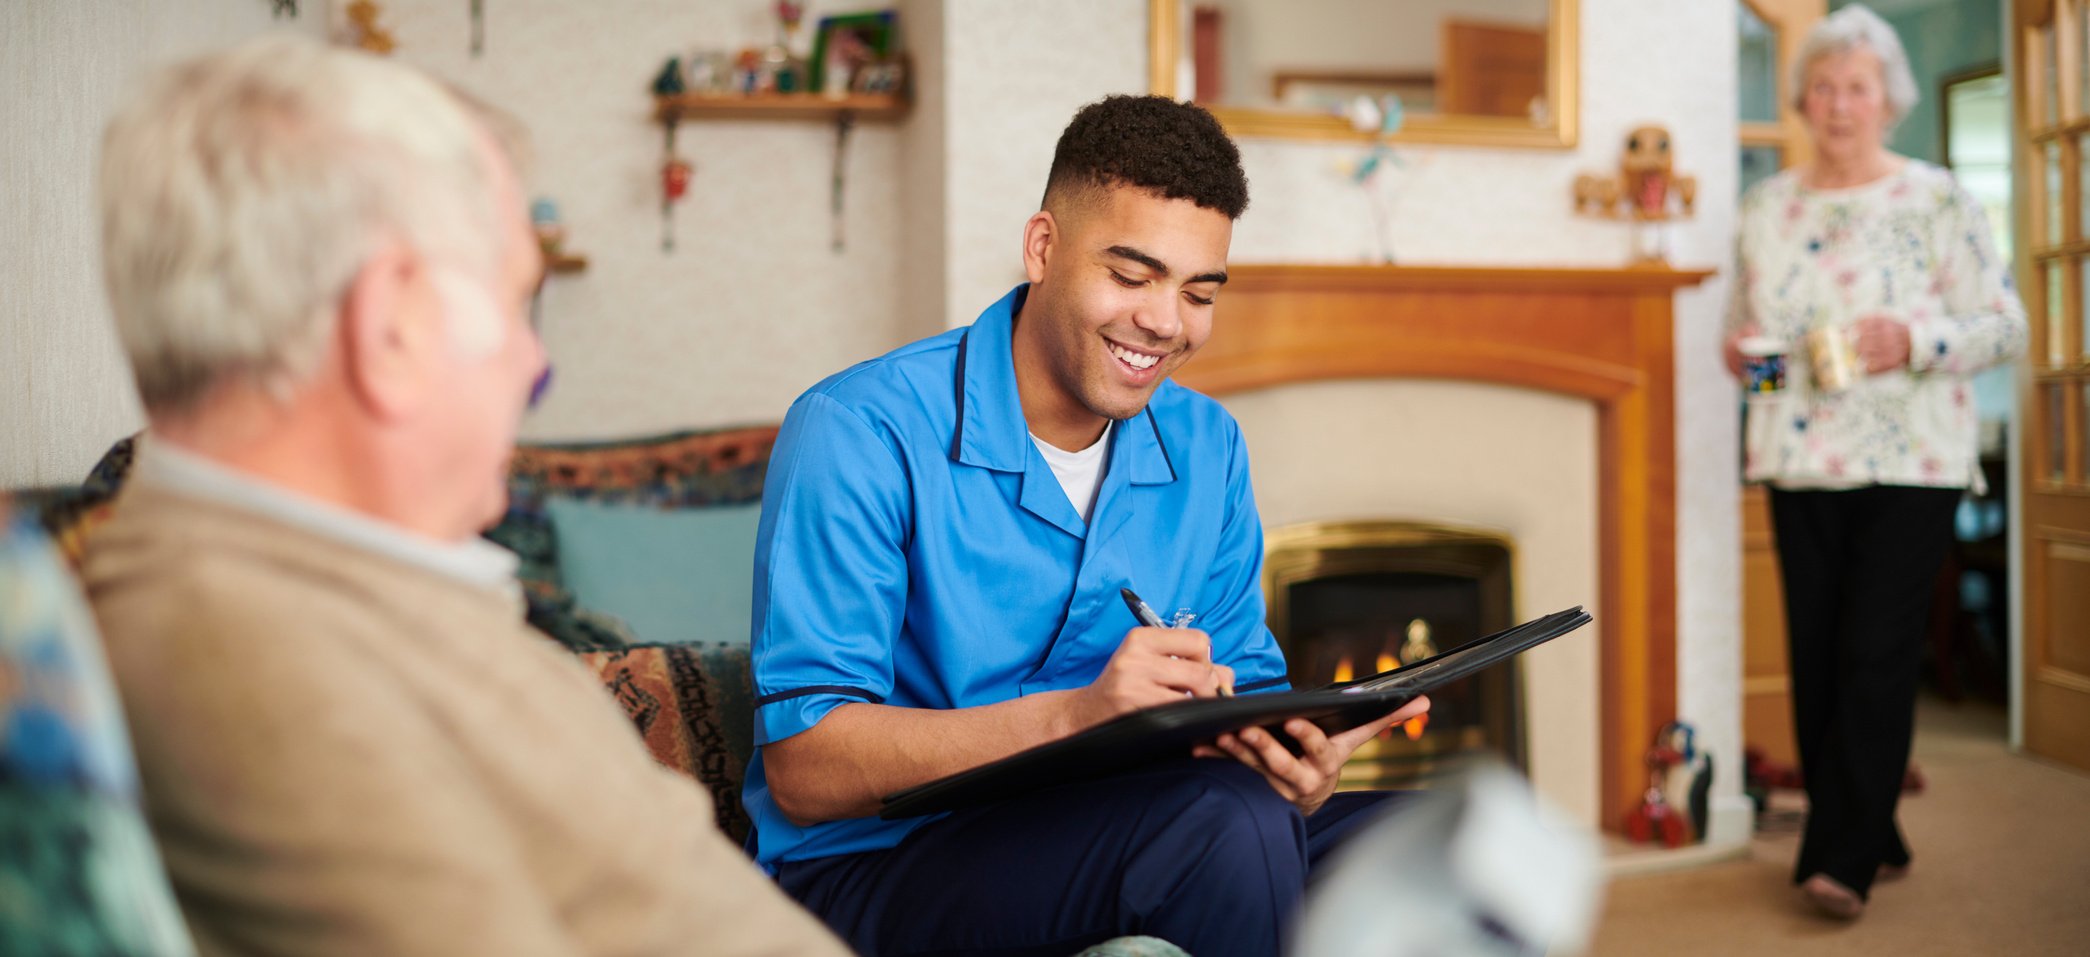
[(1122, 289), (1845, 105)]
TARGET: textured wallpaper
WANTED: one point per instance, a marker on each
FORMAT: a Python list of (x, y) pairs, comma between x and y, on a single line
[(753, 306), (1015, 74), (65, 392)]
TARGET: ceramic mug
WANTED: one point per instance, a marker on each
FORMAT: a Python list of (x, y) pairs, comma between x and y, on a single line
[(1763, 365), (1832, 353)]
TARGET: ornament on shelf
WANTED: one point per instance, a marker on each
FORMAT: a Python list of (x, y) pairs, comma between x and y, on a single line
[(364, 31), (544, 220), (668, 81), (1381, 118), (551, 241), (782, 69), (1646, 191), (747, 72), (856, 53)]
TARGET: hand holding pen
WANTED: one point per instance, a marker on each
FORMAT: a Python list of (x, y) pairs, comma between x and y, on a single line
[(1145, 613), (1152, 666)]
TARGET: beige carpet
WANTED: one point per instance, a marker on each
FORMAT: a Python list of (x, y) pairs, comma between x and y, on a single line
[(2002, 866)]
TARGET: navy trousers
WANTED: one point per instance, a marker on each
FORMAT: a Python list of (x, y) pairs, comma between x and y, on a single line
[(1858, 567), (1202, 853)]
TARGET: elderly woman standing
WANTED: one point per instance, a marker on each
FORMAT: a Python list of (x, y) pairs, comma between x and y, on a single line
[(1891, 256)]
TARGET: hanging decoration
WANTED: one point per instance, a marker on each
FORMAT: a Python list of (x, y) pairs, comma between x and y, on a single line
[(675, 172), (278, 9), (478, 28), (843, 125)]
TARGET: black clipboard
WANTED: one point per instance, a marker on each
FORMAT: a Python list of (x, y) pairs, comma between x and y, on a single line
[(1168, 731)]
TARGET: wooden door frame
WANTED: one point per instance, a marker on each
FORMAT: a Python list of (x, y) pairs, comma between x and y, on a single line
[(1792, 19), (2050, 520), (1766, 695)]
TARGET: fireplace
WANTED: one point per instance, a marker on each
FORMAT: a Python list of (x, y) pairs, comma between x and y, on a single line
[(1606, 336), (1349, 599)]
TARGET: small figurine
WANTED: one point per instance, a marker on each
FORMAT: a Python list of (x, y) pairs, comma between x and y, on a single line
[(1656, 819), (1679, 782), (781, 64), (1647, 182), (544, 220), (1418, 645), (668, 82), (364, 30), (747, 72), (707, 72)]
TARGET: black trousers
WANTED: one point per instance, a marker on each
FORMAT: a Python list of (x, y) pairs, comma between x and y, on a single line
[(1202, 853), (1858, 568)]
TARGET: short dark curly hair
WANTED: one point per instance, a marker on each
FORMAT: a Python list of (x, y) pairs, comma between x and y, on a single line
[(1153, 143)]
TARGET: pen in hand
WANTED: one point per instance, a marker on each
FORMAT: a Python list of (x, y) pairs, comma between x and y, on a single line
[(1145, 613)]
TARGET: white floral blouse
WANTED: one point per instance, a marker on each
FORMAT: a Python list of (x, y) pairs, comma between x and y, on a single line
[(1912, 246)]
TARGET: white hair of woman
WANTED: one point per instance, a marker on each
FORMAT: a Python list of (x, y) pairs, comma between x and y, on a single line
[(1851, 28), (241, 192)]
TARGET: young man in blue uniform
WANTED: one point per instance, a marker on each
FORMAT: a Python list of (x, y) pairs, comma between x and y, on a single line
[(945, 531)]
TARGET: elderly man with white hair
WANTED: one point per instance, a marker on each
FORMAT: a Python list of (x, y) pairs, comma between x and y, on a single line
[(349, 741), (1884, 268)]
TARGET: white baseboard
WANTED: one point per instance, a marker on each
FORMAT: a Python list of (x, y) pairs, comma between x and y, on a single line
[(1733, 820)]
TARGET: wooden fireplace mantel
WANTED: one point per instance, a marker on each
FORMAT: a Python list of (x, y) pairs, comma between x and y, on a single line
[(1606, 335)]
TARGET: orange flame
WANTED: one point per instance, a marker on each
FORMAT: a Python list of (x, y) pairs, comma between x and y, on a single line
[(1344, 671), (1413, 726), (1387, 662)]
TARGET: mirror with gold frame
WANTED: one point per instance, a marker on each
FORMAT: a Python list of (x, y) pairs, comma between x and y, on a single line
[(1468, 72)]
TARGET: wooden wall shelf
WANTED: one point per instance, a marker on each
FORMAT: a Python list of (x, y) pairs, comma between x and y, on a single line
[(874, 107), (566, 263)]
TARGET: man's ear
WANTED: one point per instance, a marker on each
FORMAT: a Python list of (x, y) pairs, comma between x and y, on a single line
[(1040, 234), (390, 334)]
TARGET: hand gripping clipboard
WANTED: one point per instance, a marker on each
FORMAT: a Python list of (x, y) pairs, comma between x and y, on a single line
[(1167, 732)]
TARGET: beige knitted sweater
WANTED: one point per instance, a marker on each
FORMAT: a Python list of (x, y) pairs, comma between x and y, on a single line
[(346, 755)]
